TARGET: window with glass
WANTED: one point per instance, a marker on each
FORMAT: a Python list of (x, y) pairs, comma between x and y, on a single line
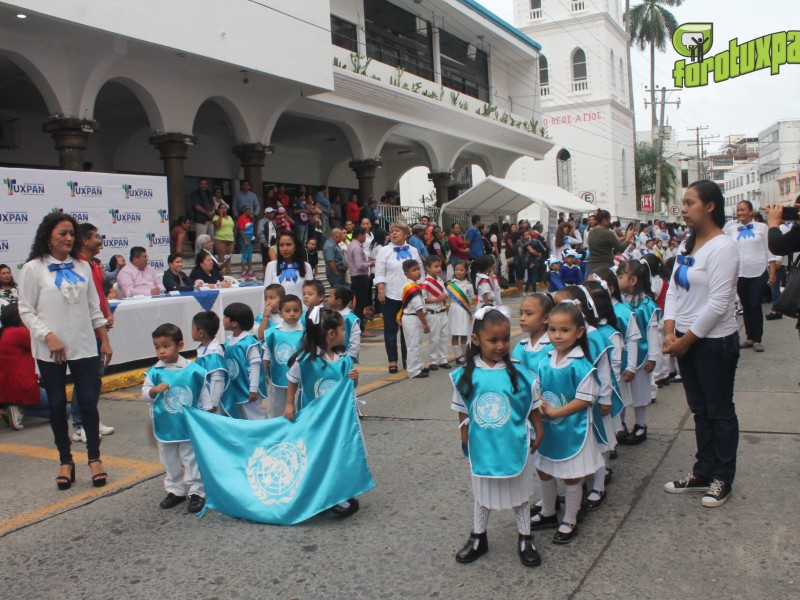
[(399, 38), (564, 170), (579, 71), (343, 34), (544, 75), (465, 68)]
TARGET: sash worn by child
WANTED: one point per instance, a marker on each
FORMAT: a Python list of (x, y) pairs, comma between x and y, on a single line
[(410, 291), (459, 298), (185, 387)]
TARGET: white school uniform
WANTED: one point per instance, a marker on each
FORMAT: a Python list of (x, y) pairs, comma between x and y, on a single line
[(485, 288), (436, 315), (459, 319), (178, 458), (500, 492), (631, 338), (643, 383), (354, 343), (605, 389), (412, 331), (276, 396), (588, 460), (498, 291), (616, 367)]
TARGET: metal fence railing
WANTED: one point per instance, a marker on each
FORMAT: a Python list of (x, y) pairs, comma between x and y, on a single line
[(413, 214)]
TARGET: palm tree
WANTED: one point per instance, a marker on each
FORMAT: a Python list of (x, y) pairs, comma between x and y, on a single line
[(652, 25)]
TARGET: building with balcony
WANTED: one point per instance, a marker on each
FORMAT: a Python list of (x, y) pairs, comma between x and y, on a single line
[(348, 93), (585, 96)]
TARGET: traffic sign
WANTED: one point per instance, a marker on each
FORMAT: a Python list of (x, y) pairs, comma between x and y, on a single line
[(675, 210), (647, 203), (587, 197)]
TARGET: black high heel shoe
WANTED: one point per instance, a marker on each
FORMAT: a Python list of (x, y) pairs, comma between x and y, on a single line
[(98, 479), (62, 481)]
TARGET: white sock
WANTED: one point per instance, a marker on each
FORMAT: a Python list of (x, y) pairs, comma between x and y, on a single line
[(549, 493), (599, 481), (523, 516), (457, 351), (572, 497), (481, 518), (640, 412)]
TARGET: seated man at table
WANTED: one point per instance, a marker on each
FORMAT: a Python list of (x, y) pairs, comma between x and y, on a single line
[(137, 277), (174, 278), (207, 272)]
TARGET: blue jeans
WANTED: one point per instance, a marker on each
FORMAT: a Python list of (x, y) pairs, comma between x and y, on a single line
[(708, 370), (751, 290), (54, 379), (302, 232), (390, 328), (74, 406), (334, 279)]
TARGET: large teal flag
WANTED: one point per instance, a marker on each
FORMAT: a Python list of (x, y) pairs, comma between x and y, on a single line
[(281, 472)]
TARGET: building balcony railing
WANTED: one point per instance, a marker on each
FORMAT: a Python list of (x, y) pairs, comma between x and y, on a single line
[(578, 5), (544, 91), (536, 14), (580, 85)]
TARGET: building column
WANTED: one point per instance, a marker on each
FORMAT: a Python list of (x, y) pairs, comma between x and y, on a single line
[(442, 183), (365, 172), (70, 136), (173, 150), (253, 158)]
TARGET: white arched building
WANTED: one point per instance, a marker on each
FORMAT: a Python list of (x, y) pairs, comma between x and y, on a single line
[(583, 78)]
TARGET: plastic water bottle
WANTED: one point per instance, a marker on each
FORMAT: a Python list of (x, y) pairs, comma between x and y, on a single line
[(129, 295)]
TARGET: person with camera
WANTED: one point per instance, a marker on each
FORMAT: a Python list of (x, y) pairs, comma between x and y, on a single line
[(783, 238)]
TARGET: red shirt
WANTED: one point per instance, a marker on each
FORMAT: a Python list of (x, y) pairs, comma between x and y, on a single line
[(18, 376), (458, 247), (353, 212), (97, 277)]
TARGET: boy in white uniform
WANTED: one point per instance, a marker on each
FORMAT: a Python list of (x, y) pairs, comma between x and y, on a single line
[(436, 304), (413, 319)]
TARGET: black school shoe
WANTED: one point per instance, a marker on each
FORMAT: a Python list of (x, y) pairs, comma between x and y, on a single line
[(634, 437), (171, 501), (445, 366), (196, 503), (566, 538), (528, 554), (621, 435), (595, 504), (537, 508), (538, 521), (433, 367), (421, 375), (345, 511), (477, 545)]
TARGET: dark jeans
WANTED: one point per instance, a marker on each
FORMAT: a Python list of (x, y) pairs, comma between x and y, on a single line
[(334, 279), (390, 327), (780, 281), (708, 370), (533, 271), (75, 407), (751, 291), (84, 374), (360, 286)]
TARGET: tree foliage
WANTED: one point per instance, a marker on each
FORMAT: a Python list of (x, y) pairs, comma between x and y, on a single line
[(646, 158)]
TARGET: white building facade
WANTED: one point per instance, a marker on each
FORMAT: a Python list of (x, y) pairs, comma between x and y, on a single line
[(583, 75), (742, 183), (779, 162)]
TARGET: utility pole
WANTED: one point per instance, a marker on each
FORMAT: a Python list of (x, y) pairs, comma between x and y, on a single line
[(659, 139), (700, 149)]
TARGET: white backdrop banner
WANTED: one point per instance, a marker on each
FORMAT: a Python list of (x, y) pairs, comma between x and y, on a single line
[(128, 210)]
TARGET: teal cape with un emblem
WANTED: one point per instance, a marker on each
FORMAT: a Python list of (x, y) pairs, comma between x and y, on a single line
[(564, 437), (185, 386), (281, 345), (644, 312), (600, 344), (239, 372), (498, 421), (281, 472), (624, 314), (317, 376), (530, 359)]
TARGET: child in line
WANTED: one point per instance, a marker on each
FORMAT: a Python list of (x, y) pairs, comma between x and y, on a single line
[(554, 264), (270, 317), (634, 282), (170, 385), (568, 388), (339, 299), (570, 272), (659, 283), (210, 354), (459, 315), (318, 366), (280, 344), (653, 264), (413, 320), (533, 312), (247, 236), (484, 265), (496, 409), (242, 397), (436, 303), (313, 295)]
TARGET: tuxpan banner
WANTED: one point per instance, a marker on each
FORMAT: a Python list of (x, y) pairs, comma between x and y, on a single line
[(281, 472), (128, 210)]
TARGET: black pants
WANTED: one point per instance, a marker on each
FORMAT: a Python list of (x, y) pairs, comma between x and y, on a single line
[(87, 393), (751, 292), (360, 285), (708, 370), (390, 328)]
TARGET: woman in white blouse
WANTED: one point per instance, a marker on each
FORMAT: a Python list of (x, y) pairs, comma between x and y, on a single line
[(60, 306), (290, 269), (390, 281), (756, 270), (700, 329)]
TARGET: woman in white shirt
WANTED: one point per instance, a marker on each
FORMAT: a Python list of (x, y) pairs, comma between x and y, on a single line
[(700, 329), (291, 269), (756, 270), (390, 280), (58, 303)]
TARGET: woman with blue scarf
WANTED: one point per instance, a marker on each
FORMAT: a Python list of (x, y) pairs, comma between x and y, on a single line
[(700, 329), (60, 306), (290, 270)]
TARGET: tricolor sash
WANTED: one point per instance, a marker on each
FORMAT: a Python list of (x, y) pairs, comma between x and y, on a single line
[(459, 297), (410, 291), (433, 286)]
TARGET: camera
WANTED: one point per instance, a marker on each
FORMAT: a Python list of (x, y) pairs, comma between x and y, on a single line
[(790, 213)]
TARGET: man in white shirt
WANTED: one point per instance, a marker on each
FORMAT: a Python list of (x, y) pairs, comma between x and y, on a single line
[(137, 277)]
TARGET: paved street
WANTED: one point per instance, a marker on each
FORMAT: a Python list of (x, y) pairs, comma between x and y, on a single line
[(117, 543)]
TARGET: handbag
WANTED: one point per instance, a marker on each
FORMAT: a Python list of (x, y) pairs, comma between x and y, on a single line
[(788, 303)]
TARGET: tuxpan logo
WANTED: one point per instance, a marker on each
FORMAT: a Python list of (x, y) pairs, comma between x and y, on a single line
[(492, 410), (136, 192), (158, 264), (90, 191), (694, 40), (275, 474), (163, 213), (23, 189), (13, 216), (114, 241), (118, 216), (4, 246), (157, 240), (80, 217)]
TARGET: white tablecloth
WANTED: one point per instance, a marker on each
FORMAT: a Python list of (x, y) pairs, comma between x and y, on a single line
[(134, 320)]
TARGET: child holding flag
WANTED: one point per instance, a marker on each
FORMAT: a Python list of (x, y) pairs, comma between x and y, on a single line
[(413, 320)]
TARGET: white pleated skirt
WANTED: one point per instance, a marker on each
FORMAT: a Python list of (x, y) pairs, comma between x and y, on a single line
[(641, 388), (507, 492), (586, 462), (459, 321), (625, 392), (611, 435)]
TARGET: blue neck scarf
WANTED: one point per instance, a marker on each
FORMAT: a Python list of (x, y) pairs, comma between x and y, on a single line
[(682, 272), (65, 272), (745, 231), (288, 272), (402, 253)]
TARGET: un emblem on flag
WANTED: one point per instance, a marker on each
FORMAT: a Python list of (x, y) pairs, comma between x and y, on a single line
[(275, 474), (491, 410), (555, 401), (283, 352), (175, 398), (323, 385), (233, 368)]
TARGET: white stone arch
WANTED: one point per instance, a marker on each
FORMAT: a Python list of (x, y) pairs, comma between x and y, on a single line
[(239, 125), (37, 76), (142, 94)]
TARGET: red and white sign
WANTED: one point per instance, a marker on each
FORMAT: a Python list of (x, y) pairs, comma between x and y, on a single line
[(587, 197), (647, 203)]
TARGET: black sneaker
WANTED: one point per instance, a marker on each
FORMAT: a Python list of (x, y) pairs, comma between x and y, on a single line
[(717, 494), (196, 503), (690, 483), (171, 501)]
